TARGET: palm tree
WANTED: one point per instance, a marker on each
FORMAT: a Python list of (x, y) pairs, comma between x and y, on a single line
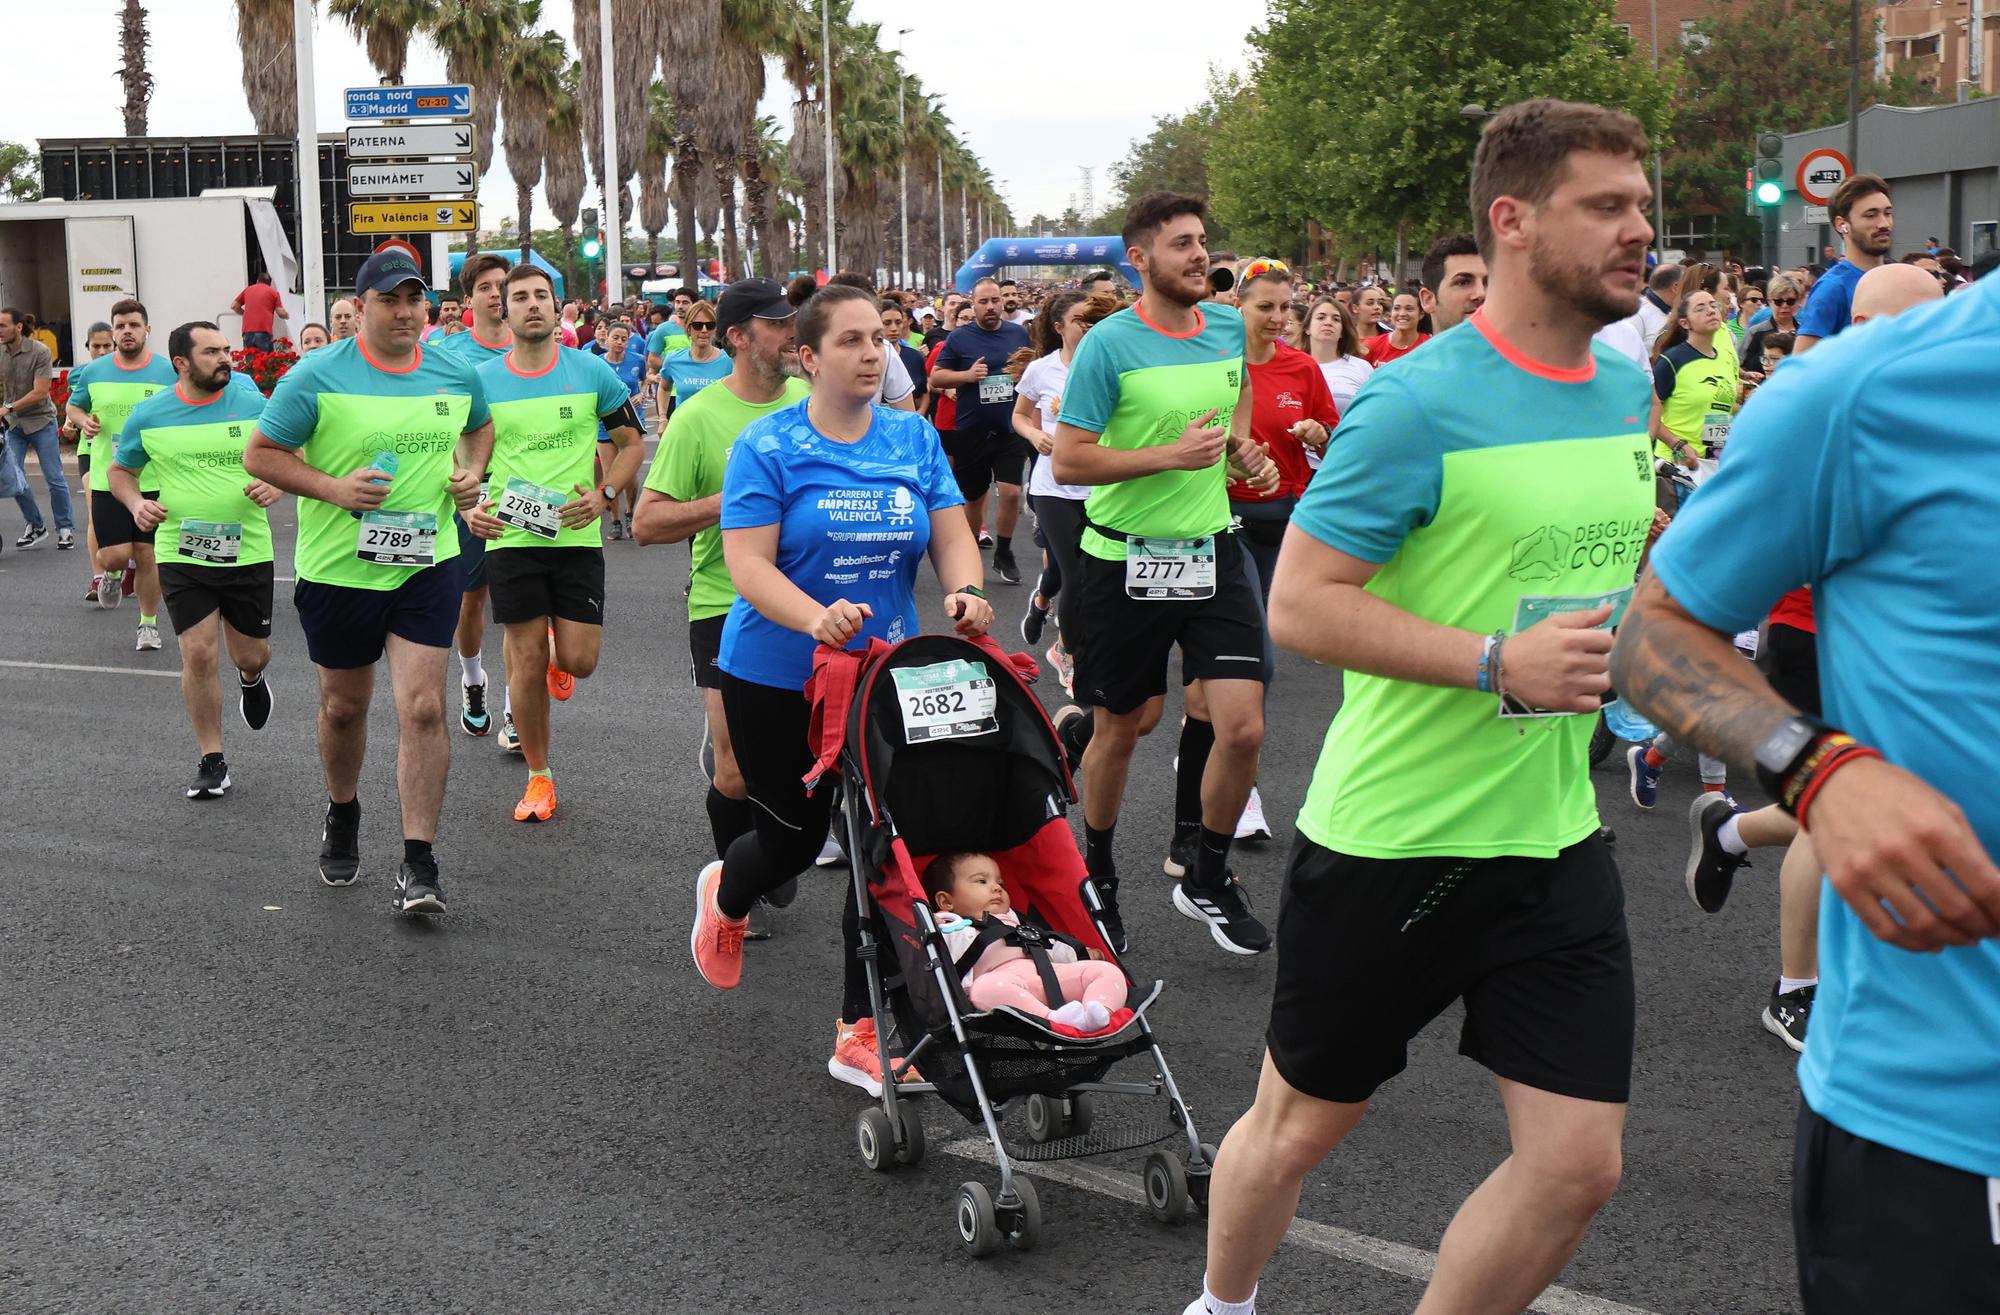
[(474, 34), (562, 165), (688, 39), (658, 140), (385, 28), (866, 142), (585, 26), (264, 34), (763, 173), (534, 70), (132, 43), (751, 29)]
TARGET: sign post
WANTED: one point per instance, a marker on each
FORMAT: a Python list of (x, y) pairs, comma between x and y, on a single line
[(413, 149)]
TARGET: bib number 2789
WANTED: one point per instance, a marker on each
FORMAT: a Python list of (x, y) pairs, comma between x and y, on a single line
[(398, 538)]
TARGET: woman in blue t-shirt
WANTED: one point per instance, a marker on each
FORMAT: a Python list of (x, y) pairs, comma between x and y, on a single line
[(827, 508)]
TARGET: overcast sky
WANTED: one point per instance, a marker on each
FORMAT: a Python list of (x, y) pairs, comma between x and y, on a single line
[(1131, 67)]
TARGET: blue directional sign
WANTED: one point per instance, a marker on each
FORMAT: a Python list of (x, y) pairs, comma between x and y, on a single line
[(451, 100)]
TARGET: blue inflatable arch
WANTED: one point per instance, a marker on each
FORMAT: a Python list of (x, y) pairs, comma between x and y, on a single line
[(1089, 252)]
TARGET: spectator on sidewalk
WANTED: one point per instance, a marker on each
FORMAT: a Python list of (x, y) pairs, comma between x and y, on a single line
[(28, 420)]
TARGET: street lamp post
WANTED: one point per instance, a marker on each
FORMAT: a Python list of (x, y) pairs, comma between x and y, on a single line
[(944, 252), (1659, 190), (614, 223), (902, 167), (312, 251), (826, 109)]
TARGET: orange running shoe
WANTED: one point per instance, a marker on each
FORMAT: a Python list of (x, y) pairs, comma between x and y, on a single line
[(715, 940), (857, 1062), (561, 683), (538, 802)]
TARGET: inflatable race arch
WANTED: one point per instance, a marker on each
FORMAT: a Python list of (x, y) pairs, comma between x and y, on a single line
[(1090, 252)]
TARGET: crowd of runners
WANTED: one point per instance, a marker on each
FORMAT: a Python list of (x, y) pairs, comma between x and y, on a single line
[(1485, 499)]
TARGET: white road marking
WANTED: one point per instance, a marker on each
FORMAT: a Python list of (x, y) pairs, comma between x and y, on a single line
[(1340, 1243), (108, 671)]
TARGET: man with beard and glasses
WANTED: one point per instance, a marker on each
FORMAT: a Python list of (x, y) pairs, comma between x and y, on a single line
[(1454, 281), (212, 531), (543, 513), (1461, 555), (982, 444), (1866, 220)]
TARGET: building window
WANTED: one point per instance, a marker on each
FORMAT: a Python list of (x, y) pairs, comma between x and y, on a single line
[(1925, 47)]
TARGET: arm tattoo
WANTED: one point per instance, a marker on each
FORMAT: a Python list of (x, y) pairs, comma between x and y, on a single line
[(1690, 681)]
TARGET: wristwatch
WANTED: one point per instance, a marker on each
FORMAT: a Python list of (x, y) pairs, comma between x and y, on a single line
[(608, 493), (1786, 747), (972, 589)]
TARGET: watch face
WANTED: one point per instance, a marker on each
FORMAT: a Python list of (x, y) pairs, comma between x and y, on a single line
[(1785, 744)]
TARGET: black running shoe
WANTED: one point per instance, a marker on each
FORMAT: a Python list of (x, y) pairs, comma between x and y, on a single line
[(1108, 916), (211, 778), (1226, 910), (1711, 869), (254, 702), (1073, 728), (1787, 1015), (1005, 566), (1032, 621), (1180, 853), (340, 850), (473, 718), (418, 889)]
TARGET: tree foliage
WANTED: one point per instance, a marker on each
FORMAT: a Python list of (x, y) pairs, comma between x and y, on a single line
[(20, 173)]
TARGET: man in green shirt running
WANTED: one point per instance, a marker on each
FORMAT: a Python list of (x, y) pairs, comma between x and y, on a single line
[(683, 499), (1461, 556), (212, 532)]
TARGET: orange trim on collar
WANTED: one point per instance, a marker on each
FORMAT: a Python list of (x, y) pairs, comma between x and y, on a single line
[(492, 346), (531, 374), (129, 368), (180, 393), (1514, 356), (1200, 322), (416, 359)]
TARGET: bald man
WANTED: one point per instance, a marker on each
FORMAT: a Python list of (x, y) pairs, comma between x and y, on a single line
[(344, 318), (1892, 289)]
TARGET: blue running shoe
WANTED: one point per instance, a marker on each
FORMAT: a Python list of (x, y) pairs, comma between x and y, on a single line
[(1645, 780)]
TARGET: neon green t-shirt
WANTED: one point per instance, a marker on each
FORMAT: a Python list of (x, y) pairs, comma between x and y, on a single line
[(693, 453), (193, 455), (665, 339), (1139, 387), (1492, 491), (1695, 391), (337, 409), (109, 391), (545, 433)]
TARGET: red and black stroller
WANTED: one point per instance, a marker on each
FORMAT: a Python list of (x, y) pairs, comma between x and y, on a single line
[(942, 747)]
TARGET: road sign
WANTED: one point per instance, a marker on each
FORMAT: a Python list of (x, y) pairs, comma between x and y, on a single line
[(1820, 173), (457, 178), (412, 217), (402, 141), (1816, 214), (451, 100)]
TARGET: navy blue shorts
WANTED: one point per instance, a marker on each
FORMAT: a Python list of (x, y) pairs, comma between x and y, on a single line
[(348, 628), (471, 556)]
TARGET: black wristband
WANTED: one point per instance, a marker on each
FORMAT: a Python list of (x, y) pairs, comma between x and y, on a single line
[(972, 589)]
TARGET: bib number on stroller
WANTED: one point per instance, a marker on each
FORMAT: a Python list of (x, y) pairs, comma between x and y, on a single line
[(952, 700)]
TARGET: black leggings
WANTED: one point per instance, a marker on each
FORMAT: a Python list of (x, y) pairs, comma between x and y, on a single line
[(1061, 520), (768, 726)]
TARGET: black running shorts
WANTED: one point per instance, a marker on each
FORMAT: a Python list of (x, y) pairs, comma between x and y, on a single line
[(1371, 950), (983, 456), (1791, 664), (114, 524), (1878, 1230), (348, 628), (705, 650), (527, 584), (241, 593), (471, 556), (1126, 642)]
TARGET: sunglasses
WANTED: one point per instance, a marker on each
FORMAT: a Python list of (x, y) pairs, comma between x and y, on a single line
[(701, 324), (1261, 266), (1753, 301), (1784, 301)]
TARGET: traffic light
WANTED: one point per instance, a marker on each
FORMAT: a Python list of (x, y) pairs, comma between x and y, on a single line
[(1769, 170), (593, 245)]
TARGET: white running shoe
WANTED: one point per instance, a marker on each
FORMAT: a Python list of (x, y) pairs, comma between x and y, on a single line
[(829, 854), (1252, 823)]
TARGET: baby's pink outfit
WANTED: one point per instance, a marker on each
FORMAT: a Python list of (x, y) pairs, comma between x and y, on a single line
[(1004, 975)]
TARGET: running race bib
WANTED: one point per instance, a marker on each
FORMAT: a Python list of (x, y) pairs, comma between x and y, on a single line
[(1170, 568), (1715, 430), (398, 538), (951, 700), (219, 543), (996, 388), (531, 507), (1536, 607)]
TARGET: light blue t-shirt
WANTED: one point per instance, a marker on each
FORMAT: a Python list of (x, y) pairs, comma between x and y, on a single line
[(1830, 305), (690, 376), (854, 521), (632, 370), (468, 347), (1868, 470)]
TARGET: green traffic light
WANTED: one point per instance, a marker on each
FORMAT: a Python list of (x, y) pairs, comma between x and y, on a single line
[(1769, 193), (591, 247)]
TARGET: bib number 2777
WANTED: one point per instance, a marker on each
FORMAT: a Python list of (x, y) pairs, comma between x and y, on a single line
[(1169, 568)]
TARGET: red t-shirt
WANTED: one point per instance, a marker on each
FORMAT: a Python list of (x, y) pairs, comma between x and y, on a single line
[(259, 300), (945, 417), (1380, 351), (1286, 389), (1795, 609)]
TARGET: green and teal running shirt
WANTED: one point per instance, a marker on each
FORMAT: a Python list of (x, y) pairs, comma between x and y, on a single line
[(469, 346), (1492, 491), (338, 409), (1140, 386), (693, 454), (192, 453), (545, 433), (109, 391)]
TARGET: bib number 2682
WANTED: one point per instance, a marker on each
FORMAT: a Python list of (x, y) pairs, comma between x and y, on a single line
[(1169, 568), (945, 701)]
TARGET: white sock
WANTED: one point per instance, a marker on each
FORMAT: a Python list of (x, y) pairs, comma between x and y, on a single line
[(474, 669), (1215, 1305), (1075, 1014), (1731, 836), (506, 702), (1787, 985)]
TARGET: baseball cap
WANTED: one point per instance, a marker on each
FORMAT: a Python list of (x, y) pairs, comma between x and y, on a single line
[(387, 270), (926, 313), (751, 299)]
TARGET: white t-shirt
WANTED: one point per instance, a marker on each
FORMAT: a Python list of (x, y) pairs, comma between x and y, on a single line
[(1651, 318), (1627, 337), (896, 382), (1344, 378), (1042, 383)]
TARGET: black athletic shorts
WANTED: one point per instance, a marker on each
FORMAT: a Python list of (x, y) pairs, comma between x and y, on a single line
[(113, 523), (471, 556), (347, 627), (984, 456), (1879, 1230), (1791, 664), (705, 650), (527, 584), (1371, 950), (241, 593), (1127, 642), (82, 464)]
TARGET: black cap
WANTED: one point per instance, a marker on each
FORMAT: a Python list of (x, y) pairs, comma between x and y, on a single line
[(751, 299), (387, 270)]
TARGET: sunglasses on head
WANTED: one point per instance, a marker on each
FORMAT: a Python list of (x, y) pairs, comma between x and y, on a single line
[(1263, 266)]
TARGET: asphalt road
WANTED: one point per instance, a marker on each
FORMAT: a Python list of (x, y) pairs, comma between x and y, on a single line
[(227, 1087)]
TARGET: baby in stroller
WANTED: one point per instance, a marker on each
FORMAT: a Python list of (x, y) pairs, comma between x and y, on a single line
[(974, 911)]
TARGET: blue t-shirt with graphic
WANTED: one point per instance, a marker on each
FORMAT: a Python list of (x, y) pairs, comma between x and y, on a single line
[(1830, 306), (854, 521), (632, 371), (1867, 469), (690, 376), (989, 403)]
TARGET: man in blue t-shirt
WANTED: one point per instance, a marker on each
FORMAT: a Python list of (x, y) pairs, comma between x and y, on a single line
[(983, 446), (1898, 1171), (1866, 221)]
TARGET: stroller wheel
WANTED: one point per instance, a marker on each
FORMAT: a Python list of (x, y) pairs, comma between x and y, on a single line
[(875, 1139), (1026, 1225), (1045, 1120), (910, 1127), (978, 1227), (1167, 1188), (1082, 1109)]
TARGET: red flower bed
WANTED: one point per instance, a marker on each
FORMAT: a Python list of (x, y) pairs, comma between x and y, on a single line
[(265, 368)]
